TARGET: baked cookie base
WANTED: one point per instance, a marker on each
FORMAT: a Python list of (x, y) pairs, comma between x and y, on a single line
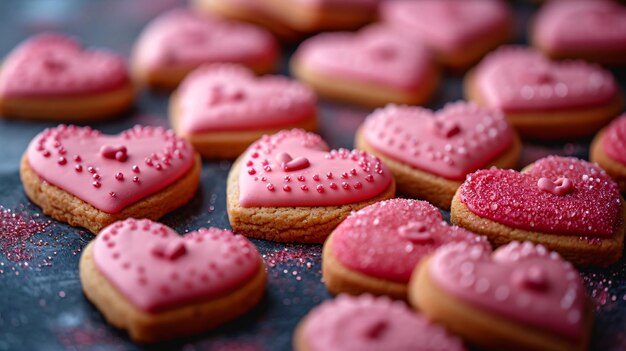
[(289, 224), (340, 279), (613, 168), (79, 108), (364, 93), (65, 207), (308, 19), (427, 186), (553, 125), (482, 328), (168, 324), (228, 144)]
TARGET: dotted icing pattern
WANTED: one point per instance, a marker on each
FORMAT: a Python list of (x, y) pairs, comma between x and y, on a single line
[(110, 172), (519, 79), (368, 323), (451, 143), (231, 98), (389, 238), (614, 140), (55, 65), (156, 269), (591, 209), (520, 281), (326, 178)]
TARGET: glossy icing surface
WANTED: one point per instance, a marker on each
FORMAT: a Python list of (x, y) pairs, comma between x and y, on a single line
[(54, 65), (110, 172), (614, 140), (156, 269), (296, 168), (388, 239), (519, 79), (368, 323), (374, 55), (519, 281), (450, 143), (559, 195), (230, 98)]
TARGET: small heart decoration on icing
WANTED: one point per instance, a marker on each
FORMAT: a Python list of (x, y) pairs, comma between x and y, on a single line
[(50, 65), (583, 201), (238, 100), (156, 269), (519, 281), (515, 79), (396, 235), (449, 143), (110, 172), (318, 176)]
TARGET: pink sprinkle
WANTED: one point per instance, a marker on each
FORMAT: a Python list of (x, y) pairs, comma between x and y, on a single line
[(251, 171), (96, 176), (345, 185), (353, 171), (333, 186), (136, 179), (62, 160), (96, 184), (287, 188), (113, 194), (320, 188), (304, 188), (270, 187), (91, 169), (77, 158), (316, 177), (358, 185), (78, 168), (135, 168), (46, 153), (301, 178), (329, 175), (119, 176), (369, 178)]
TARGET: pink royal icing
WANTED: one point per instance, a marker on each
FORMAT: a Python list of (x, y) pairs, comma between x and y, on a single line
[(367, 323), (447, 25), (518, 79), (49, 65), (374, 55), (183, 38), (110, 172), (156, 269), (451, 143), (581, 25), (388, 239), (228, 97), (614, 140), (586, 203), (323, 178), (519, 281)]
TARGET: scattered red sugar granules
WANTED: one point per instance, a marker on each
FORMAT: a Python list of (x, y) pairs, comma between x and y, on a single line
[(16, 230)]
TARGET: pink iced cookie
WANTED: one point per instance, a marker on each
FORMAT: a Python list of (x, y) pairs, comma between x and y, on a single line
[(459, 32), (608, 150), (51, 76), (614, 141), (374, 66), (147, 279), (222, 109), (569, 205), (367, 323), (534, 297), (376, 249), (293, 174), (430, 153), (109, 175), (178, 41), (543, 98), (593, 30)]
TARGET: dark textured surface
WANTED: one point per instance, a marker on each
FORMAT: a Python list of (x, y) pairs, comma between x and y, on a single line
[(41, 303)]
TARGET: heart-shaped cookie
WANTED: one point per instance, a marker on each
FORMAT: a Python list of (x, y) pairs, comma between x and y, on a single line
[(376, 249), (147, 279), (180, 40), (52, 65), (230, 98), (569, 205), (607, 149), (110, 173), (520, 285)]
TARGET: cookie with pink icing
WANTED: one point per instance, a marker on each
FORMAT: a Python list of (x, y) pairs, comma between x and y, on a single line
[(178, 41), (290, 186), (52, 77), (593, 30), (430, 152), (607, 149), (367, 323), (222, 109), (376, 249), (157, 285), (521, 296), (458, 32), (372, 67), (542, 98), (85, 178), (569, 205)]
